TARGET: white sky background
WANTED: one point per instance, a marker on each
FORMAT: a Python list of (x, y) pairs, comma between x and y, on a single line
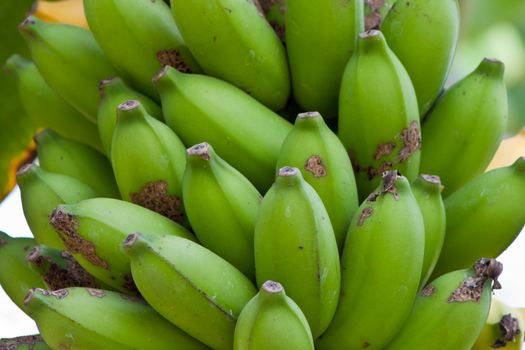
[(14, 322)]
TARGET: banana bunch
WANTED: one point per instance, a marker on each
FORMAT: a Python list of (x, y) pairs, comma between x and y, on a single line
[(253, 175)]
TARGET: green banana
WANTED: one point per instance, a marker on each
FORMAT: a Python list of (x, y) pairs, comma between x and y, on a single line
[(27, 342), (427, 191), (93, 230), (203, 299), (70, 61), (275, 13), (59, 270), (450, 312), (464, 129), (244, 132), (41, 191), (503, 329), (112, 93), (148, 160), (295, 245), (237, 46), (46, 108), (380, 268), (257, 327), (64, 156), (423, 34), (314, 149), (86, 319), (378, 117), (124, 30), (320, 38), (221, 205), (485, 215), (16, 276)]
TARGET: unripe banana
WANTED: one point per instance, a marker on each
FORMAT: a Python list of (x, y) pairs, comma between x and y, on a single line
[(295, 245), (314, 149), (378, 116), (70, 61), (46, 108), (450, 312), (26, 342), (244, 132), (88, 319), (64, 156), (257, 328), (503, 329), (113, 92), (93, 230), (16, 276), (138, 37), (203, 299), (148, 161), (485, 215), (237, 46), (380, 268), (463, 130), (221, 205), (320, 38), (59, 270), (41, 191), (423, 35), (274, 11), (427, 191)]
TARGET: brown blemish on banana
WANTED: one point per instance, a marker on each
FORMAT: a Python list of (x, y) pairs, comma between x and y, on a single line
[(428, 291), (353, 160), (373, 18), (314, 164), (57, 277), (15, 343), (372, 197), (201, 150), (66, 226), (366, 345), (133, 298), (411, 137), (102, 86), (174, 59), (384, 149), (471, 287), (154, 196), (97, 293), (373, 172), (365, 214), (509, 329), (389, 183)]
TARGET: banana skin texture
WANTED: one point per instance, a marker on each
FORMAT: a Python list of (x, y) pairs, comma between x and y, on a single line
[(113, 92), (295, 245), (204, 299), (380, 268), (41, 191), (70, 61), (124, 30), (378, 116), (238, 46), (26, 342), (148, 161), (221, 205), (503, 329), (46, 108), (93, 230), (427, 191), (464, 129), (257, 328), (314, 149), (60, 155), (320, 38), (450, 312), (17, 276), (485, 215), (87, 319), (423, 34), (244, 132)]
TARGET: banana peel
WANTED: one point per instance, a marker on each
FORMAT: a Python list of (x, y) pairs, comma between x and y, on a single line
[(64, 11)]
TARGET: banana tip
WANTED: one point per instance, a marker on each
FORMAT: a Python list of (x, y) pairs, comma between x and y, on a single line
[(129, 105), (369, 34), (29, 296), (308, 115), (34, 255), (24, 169), (201, 150), (272, 287), (131, 240), (103, 84), (163, 71), (26, 24), (288, 171)]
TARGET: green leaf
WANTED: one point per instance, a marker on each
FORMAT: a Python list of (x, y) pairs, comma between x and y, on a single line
[(16, 128)]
